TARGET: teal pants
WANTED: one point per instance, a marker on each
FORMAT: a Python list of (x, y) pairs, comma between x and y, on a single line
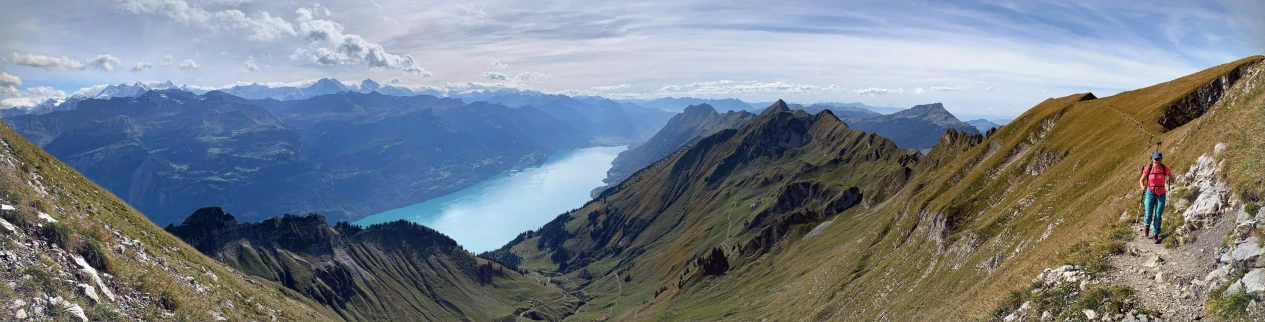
[(1154, 204)]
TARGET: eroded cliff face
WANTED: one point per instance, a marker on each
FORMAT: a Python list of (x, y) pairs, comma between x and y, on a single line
[(1197, 103)]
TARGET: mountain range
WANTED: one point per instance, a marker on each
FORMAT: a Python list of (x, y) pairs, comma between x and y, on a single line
[(797, 216), (790, 215), (345, 155)]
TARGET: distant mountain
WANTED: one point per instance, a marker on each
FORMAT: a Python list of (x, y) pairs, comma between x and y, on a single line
[(983, 125), (608, 120), (685, 129), (397, 271), (322, 86), (919, 127), (346, 155), (846, 112), (679, 104)]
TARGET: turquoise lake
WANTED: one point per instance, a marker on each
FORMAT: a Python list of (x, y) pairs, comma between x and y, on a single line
[(490, 213)]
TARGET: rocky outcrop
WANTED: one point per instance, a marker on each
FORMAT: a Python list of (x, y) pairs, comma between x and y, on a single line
[(1209, 194), (1197, 103)]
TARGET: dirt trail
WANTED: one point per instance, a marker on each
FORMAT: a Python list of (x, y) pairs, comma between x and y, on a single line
[(1170, 280)]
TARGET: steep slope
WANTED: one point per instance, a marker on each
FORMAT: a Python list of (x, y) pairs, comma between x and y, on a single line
[(732, 228), (74, 252), (692, 125), (719, 203), (397, 271), (918, 127)]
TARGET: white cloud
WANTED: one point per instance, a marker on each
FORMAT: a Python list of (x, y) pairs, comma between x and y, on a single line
[(919, 91), (189, 64), (168, 60), (949, 89), (390, 21), (497, 65), (261, 25), (90, 90), (610, 88), (992, 89), (9, 84), (347, 49), (496, 76), (142, 66), (48, 63), (872, 91), (250, 64), (393, 80), (30, 97), (530, 77), (105, 62)]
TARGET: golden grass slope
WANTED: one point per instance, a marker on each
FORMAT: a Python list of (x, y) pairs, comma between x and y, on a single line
[(959, 235)]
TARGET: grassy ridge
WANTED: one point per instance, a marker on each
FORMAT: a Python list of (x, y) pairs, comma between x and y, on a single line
[(953, 240)]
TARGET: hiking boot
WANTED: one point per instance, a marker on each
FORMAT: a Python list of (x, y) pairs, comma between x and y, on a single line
[(1156, 239), (1146, 231)]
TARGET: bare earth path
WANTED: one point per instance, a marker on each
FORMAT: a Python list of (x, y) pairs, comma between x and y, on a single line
[(1170, 280)]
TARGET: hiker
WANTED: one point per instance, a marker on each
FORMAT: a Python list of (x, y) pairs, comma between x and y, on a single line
[(1154, 181)]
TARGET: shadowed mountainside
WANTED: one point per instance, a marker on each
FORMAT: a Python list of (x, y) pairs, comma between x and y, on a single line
[(391, 271)]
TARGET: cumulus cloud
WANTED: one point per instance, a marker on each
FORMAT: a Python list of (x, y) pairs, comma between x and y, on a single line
[(496, 76), (90, 90), (29, 97), (105, 62), (949, 89), (872, 91), (189, 64), (261, 25), (168, 60), (48, 63), (330, 46), (530, 76), (919, 91), (9, 84), (250, 64), (497, 65), (141, 67)]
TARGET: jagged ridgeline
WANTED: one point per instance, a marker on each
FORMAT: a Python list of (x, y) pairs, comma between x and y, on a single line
[(799, 217), (396, 271), (71, 251)]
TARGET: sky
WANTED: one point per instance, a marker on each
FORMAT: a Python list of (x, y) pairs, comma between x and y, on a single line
[(977, 57)]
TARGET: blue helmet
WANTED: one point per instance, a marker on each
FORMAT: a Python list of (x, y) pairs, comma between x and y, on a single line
[(1157, 156)]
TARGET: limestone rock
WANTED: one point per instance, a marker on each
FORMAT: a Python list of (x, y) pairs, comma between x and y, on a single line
[(21, 315), (90, 292), (6, 227), (1090, 314), (1247, 252), (76, 311), (47, 218), (1254, 281)]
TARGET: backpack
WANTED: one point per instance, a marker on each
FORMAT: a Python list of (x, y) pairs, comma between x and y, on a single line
[(1164, 171)]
